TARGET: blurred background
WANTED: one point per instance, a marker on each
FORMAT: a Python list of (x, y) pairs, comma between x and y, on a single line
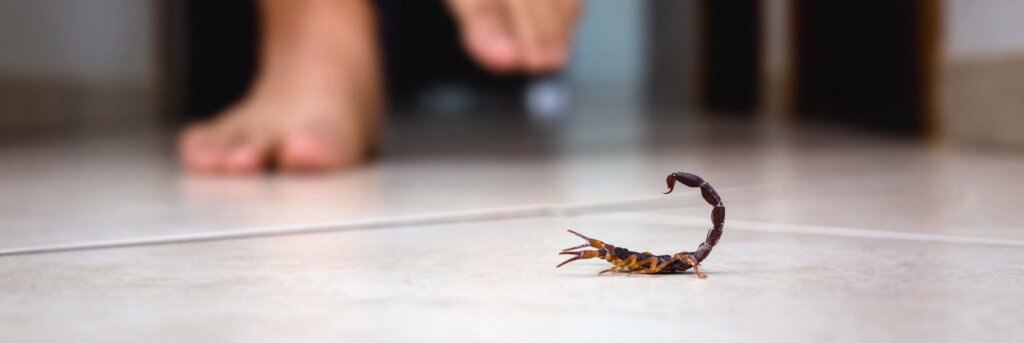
[(941, 70), (870, 152)]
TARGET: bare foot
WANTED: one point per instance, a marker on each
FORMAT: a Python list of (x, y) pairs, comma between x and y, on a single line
[(517, 35), (316, 101)]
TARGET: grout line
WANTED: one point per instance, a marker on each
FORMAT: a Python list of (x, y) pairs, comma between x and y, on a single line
[(533, 211), (551, 210), (415, 220), (667, 219)]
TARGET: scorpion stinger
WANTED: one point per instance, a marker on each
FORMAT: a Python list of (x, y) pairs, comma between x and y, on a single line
[(647, 263)]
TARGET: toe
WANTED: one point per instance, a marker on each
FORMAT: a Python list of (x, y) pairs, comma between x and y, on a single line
[(246, 157), (219, 147), (487, 34), (196, 149), (543, 30), (243, 160), (188, 144), (549, 38), (495, 51), (527, 34), (307, 151)]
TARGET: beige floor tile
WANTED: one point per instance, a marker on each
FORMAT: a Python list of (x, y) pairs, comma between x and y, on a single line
[(85, 190), (495, 281), (955, 194)]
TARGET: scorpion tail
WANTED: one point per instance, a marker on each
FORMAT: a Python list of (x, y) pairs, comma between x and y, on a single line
[(711, 197)]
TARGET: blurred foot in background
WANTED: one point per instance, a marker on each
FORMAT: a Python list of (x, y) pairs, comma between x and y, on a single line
[(515, 35), (317, 97)]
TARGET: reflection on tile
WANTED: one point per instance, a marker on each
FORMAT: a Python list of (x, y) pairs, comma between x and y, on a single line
[(655, 218), (961, 195), (117, 188), (492, 281)]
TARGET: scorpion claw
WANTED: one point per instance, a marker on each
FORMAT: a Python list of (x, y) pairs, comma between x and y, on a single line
[(577, 255), (590, 242), (578, 234), (567, 261), (577, 247)]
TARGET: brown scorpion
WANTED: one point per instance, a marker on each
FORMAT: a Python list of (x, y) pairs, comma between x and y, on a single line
[(647, 263)]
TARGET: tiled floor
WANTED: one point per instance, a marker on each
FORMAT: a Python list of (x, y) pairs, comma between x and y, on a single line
[(831, 236)]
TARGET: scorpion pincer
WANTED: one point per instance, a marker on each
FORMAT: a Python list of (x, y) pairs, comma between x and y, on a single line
[(624, 259)]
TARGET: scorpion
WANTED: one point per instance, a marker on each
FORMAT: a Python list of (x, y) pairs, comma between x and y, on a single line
[(646, 263)]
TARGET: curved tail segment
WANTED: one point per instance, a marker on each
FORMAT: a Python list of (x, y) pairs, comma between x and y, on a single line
[(717, 213)]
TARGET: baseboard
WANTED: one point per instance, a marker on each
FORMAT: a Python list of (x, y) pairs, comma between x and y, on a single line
[(32, 104), (982, 101)]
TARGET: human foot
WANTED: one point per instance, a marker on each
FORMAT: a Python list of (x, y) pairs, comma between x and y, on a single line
[(293, 135), (316, 102), (517, 35)]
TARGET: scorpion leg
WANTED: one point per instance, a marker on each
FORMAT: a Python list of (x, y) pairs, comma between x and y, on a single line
[(677, 257), (652, 260), (628, 262), (578, 255), (658, 268), (696, 266), (653, 263), (590, 242), (619, 264)]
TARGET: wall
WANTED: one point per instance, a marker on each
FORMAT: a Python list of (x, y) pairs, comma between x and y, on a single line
[(981, 87), (609, 51), (980, 29), (71, 63)]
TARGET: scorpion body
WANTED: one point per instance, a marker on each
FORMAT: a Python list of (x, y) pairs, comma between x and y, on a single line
[(624, 259)]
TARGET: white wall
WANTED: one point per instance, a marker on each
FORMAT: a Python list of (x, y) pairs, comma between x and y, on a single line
[(980, 29), (76, 64), (101, 40), (609, 47), (981, 84)]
